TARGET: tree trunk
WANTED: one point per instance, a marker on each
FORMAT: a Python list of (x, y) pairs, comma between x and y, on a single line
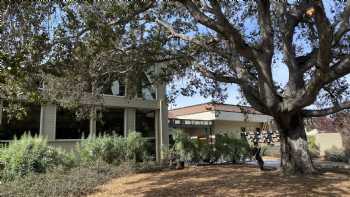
[(295, 157)]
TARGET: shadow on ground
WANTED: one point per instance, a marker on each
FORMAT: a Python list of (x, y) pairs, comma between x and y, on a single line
[(245, 180), (227, 180)]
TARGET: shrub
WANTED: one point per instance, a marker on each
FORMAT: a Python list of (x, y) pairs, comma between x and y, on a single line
[(202, 151), (225, 147), (183, 146), (230, 148), (27, 155), (336, 155), (78, 181), (136, 147), (110, 149), (113, 149), (313, 148)]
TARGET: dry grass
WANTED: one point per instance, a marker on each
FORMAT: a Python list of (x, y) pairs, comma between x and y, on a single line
[(230, 180)]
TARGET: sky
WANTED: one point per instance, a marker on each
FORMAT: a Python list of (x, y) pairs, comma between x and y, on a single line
[(280, 74)]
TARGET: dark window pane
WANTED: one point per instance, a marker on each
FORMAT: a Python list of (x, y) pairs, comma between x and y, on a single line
[(151, 148), (145, 123), (68, 127), (9, 128), (114, 87), (145, 88), (111, 122)]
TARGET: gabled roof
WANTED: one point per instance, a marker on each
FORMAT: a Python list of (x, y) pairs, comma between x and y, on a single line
[(211, 106)]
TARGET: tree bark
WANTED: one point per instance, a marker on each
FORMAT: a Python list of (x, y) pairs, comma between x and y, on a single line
[(295, 157)]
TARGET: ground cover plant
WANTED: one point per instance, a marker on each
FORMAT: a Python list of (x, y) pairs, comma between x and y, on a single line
[(336, 155), (30, 167)]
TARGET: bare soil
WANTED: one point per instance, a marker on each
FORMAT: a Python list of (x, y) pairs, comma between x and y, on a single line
[(225, 180)]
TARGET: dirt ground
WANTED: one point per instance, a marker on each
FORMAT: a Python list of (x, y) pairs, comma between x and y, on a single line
[(228, 180)]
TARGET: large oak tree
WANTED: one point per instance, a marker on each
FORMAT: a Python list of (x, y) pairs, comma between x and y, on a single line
[(72, 47), (240, 42)]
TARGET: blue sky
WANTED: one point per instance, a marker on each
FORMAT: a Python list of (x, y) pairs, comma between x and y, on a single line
[(280, 74)]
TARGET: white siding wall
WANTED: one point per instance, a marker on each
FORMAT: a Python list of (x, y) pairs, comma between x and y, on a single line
[(229, 116), (233, 116), (210, 115), (234, 127)]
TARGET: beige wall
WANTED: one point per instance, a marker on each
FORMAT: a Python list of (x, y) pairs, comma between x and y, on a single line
[(234, 127), (326, 141), (228, 116), (234, 116), (210, 115), (221, 127), (67, 145)]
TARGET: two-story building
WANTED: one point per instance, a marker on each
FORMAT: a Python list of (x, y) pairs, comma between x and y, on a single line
[(147, 112)]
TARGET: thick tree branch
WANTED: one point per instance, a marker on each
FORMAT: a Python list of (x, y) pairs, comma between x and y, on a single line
[(221, 26), (339, 70), (307, 61), (251, 92), (206, 44), (343, 25), (262, 60), (319, 80), (266, 26), (184, 37), (325, 36), (326, 111), (221, 77), (291, 18)]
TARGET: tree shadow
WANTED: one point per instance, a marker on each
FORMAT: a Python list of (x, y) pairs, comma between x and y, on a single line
[(239, 180)]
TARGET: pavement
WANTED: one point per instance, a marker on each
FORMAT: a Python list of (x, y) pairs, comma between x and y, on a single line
[(275, 163)]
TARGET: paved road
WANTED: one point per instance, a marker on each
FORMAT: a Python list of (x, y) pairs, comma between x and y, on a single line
[(267, 163)]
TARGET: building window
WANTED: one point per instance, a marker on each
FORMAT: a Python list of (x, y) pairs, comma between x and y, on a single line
[(69, 127), (11, 127), (145, 123), (145, 89), (110, 122), (114, 87)]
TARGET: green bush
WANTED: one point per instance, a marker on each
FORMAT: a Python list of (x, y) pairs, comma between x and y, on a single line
[(110, 149), (314, 150), (183, 146), (28, 155), (113, 149), (202, 151), (227, 148), (336, 155), (136, 147), (230, 148)]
